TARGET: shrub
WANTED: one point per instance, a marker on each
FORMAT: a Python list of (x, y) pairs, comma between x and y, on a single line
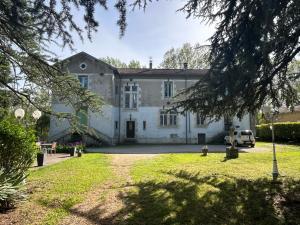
[(17, 146), (288, 131), (17, 152), (10, 192), (63, 149)]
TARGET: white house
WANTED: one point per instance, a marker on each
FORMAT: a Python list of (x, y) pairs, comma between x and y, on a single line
[(136, 103)]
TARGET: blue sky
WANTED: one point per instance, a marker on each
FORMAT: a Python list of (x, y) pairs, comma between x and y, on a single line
[(148, 34)]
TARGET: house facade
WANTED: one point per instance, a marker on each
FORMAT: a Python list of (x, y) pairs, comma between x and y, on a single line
[(137, 105)]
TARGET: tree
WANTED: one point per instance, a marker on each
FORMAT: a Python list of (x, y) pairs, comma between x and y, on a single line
[(195, 55), (250, 52), (134, 64), (119, 64), (115, 62), (294, 68), (27, 28)]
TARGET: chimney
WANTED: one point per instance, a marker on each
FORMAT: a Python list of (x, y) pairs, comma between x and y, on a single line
[(185, 65), (150, 63)]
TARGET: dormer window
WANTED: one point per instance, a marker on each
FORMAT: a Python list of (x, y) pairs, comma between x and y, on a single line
[(82, 66)]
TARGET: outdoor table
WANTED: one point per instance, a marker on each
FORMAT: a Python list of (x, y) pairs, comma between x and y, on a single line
[(45, 146)]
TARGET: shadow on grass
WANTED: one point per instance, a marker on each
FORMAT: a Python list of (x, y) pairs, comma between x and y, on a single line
[(193, 199)]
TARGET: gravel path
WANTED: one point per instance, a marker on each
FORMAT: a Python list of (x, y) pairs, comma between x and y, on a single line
[(101, 206), (162, 149)]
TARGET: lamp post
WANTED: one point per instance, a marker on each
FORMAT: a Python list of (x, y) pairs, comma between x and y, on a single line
[(19, 113), (270, 114)]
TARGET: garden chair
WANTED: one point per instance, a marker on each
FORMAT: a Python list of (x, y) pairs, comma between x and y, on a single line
[(52, 149)]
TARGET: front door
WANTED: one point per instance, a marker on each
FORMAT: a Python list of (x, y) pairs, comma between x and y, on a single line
[(201, 138), (130, 129)]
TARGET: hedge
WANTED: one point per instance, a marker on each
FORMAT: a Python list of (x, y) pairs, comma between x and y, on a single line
[(288, 131)]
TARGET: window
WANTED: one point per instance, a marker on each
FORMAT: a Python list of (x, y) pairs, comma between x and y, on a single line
[(84, 81), (168, 118), (116, 125), (130, 97), (168, 89), (82, 66), (200, 120), (144, 125)]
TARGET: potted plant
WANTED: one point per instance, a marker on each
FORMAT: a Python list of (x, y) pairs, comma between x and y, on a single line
[(204, 150), (40, 158), (72, 150), (79, 152)]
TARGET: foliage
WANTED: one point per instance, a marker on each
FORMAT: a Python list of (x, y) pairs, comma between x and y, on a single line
[(17, 152), (288, 131), (27, 28), (114, 62), (250, 52), (195, 55), (42, 126), (119, 64), (10, 185), (17, 146)]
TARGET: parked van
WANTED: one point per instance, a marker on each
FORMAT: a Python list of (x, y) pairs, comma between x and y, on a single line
[(241, 137)]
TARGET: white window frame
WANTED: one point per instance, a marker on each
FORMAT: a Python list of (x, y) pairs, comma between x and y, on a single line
[(87, 81), (200, 120), (133, 97), (168, 86), (168, 118)]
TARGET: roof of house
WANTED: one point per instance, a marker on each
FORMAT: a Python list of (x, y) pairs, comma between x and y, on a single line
[(147, 72), (127, 72)]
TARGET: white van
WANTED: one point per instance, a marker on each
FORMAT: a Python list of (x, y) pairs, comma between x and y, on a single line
[(241, 137)]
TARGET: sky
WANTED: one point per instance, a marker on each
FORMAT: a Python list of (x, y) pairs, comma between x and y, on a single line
[(148, 34)]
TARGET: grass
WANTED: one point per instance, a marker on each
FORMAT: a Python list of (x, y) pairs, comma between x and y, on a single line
[(192, 189), (175, 189), (59, 187)]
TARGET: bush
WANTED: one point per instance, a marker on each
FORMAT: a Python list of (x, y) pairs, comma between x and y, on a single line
[(288, 131), (17, 146), (63, 149), (10, 192), (17, 152)]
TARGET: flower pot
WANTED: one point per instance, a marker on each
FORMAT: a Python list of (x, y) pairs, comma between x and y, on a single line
[(79, 154), (232, 152), (40, 159), (72, 151), (204, 152)]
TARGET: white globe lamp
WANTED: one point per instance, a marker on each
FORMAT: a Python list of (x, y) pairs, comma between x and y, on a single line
[(19, 113), (36, 114)]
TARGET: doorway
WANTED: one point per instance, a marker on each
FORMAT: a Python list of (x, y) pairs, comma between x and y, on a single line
[(130, 129), (201, 138)]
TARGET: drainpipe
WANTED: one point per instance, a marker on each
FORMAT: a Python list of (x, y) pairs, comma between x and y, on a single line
[(119, 136), (119, 104), (186, 114)]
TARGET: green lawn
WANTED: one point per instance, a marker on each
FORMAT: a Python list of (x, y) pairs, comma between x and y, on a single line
[(58, 187), (192, 189), (174, 189)]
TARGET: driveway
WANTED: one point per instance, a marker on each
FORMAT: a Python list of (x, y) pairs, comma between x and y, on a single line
[(161, 149)]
